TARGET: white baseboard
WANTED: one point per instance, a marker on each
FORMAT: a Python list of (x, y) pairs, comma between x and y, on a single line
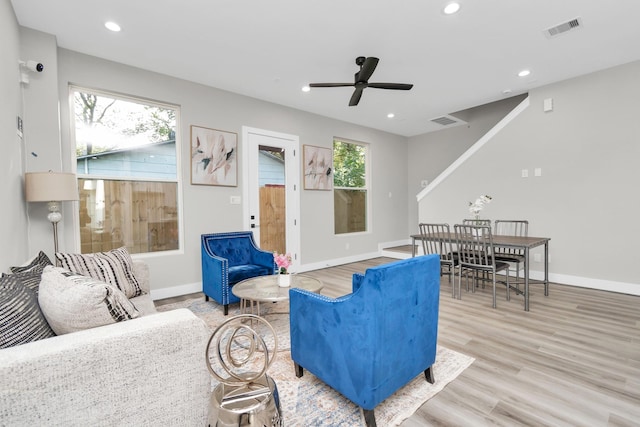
[(587, 282), (337, 261), (176, 291), (564, 279)]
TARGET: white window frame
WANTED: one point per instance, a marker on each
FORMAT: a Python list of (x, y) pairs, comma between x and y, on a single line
[(367, 180), (178, 146)]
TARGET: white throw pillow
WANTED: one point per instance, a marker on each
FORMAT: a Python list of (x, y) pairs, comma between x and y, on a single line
[(71, 302)]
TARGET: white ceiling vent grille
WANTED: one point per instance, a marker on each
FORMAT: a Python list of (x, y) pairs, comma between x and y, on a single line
[(447, 120), (564, 27)]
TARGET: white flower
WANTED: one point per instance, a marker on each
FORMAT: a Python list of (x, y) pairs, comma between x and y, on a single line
[(476, 207)]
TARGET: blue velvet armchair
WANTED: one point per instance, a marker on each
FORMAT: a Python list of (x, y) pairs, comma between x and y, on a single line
[(228, 258), (368, 344)]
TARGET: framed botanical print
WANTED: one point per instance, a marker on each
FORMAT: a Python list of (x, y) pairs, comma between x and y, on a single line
[(214, 157), (318, 168)]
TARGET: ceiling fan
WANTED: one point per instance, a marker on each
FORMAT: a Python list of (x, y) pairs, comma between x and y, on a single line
[(367, 67)]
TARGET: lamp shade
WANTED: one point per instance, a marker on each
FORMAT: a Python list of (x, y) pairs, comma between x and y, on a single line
[(50, 186)]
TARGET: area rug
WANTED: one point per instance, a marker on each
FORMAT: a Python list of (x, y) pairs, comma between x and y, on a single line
[(307, 401)]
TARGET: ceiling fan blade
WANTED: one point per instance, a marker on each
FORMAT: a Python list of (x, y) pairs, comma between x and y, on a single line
[(330, 84), (396, 86), (367, 69), (355, 98)]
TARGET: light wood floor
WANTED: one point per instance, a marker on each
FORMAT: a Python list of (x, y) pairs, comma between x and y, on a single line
[(572, 360)]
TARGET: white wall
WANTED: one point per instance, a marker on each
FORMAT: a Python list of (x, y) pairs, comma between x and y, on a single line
[(431, 153), (588, 149), (207, 209), (13, 226)]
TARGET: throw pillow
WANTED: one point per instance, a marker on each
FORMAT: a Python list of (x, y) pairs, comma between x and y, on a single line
[(21, 320), (114, 267), (72, 302), (30, 279), (37, 264)]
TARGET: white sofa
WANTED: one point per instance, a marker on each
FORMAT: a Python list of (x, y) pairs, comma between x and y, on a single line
[(148, 371)]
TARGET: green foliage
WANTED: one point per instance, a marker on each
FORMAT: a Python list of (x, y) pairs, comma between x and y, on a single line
[(121, 120), (348, 165)]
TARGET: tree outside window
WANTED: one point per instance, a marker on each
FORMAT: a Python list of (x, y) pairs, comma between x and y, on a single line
[(350, 186), (127, 172)]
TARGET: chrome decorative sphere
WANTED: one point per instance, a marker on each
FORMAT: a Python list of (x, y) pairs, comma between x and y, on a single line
[(237, 354)]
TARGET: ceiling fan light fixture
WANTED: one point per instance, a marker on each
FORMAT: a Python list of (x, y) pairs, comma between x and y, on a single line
[(451, 8)]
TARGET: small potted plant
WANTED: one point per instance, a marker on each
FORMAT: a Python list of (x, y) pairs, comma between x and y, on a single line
[(283, 261)]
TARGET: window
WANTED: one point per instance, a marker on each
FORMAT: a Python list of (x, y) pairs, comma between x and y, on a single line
[(127, 172), (350, 184)]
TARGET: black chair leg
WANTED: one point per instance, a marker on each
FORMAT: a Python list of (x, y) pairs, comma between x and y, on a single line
[(369, 417), (226, 309), (428, 374), (206, 297), (299, 370)]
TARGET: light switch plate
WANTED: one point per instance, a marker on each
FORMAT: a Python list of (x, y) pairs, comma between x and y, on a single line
[(234, 200), (537, 171)]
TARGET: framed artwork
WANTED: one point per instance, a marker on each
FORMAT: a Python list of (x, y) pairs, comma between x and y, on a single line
[(214, 157), (318, 168)]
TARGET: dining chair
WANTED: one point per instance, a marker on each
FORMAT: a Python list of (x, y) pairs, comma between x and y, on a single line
[(475, 253), (519, 228), (436, 240)]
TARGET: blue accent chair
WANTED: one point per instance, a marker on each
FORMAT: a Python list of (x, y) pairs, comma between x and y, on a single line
[(368, 344), (229, 258)]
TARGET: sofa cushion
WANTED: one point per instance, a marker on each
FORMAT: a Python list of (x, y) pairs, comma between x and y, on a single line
[(30, 279), (241, 272), (21, 320), (114, 267), (72, 302), (36, 264)]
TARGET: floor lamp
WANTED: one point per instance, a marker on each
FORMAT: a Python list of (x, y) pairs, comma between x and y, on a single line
[(51, 187)]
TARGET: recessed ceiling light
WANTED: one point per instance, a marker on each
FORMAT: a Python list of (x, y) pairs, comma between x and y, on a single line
[(306, 88), (451, 8), (391, 115), (524, 73), (112, 26)]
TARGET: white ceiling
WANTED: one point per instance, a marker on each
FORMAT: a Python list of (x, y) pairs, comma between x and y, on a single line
[(270, 49)]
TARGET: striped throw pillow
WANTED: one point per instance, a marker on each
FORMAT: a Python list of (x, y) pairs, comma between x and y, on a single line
[(37, 264), (114, 267), (21, 320)]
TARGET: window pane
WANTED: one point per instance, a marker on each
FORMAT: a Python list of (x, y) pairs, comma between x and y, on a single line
[(350, 187), (139, 215), (116, 137), (348, 165), (350, 208), (127, 168)]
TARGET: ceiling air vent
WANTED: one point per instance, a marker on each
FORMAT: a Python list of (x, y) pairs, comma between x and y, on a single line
[(563, 28), (447, 120)]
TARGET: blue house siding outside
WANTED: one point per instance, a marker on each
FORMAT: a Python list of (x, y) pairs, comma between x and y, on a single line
[(271, 169), (154, 161)]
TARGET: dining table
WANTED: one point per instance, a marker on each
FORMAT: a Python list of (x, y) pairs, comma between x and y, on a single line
[(514, 242)]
